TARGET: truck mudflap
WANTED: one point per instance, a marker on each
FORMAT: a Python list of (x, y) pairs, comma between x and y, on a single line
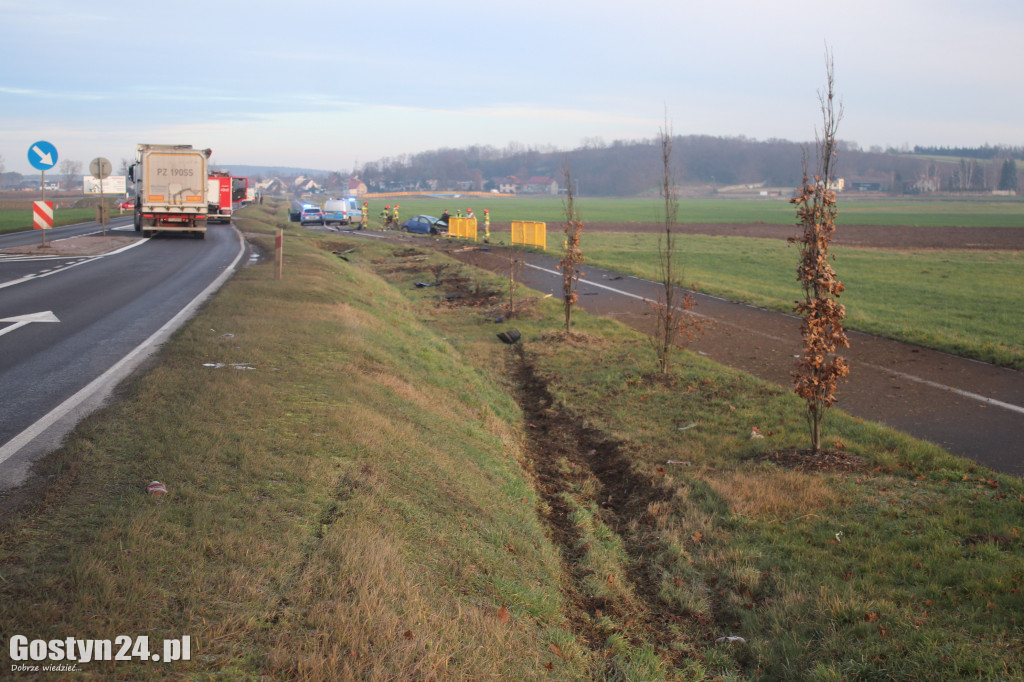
[(151, 223)]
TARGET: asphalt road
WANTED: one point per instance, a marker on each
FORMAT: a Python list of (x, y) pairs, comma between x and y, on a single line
[(72, 327)]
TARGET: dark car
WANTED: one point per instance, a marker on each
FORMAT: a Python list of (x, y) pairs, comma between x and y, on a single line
[(312, 214), (423, 224)]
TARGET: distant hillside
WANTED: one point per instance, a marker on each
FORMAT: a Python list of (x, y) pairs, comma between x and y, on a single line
[(268, 171), (701, 161)]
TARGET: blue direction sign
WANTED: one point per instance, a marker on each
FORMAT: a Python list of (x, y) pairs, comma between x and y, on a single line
[(42, 155)]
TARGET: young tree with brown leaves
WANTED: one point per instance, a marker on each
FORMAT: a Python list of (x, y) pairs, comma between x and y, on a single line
[(819, 369), (573, 256)]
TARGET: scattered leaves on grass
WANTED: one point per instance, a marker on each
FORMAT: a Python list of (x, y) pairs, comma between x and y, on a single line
[(808, 460)]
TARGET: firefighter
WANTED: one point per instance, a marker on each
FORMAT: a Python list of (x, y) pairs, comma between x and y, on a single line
[(469, 213), (487, 225), (364, 216), (396, 216), (385, 217)]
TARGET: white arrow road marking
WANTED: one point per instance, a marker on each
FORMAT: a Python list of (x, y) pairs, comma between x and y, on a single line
[(43, 157), (22, 320)]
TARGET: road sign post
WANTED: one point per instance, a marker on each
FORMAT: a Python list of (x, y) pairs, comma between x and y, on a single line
[(42, 217), (42, 155), (279, 253), (100, 168)]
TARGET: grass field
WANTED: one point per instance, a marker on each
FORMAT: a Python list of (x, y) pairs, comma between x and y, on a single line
[(977, 212), (16, 213), (982, 212), (379, 497), (16, 221)]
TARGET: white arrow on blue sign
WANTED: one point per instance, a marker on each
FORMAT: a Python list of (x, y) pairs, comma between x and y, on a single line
[(42, 155)]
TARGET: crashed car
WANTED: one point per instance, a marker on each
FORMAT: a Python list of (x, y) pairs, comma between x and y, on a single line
[(424, 224)]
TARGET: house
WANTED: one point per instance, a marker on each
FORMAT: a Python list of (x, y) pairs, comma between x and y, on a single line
[(539, 184), (507, 185), (270, 186), (304, 184), (356, 187), (927, 184)]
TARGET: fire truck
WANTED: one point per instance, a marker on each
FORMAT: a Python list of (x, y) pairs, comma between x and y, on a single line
[(240, 190), (218, 197)]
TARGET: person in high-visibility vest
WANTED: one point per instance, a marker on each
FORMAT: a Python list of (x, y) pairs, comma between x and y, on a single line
[(385, 217), (364, 217), (487, 225), (396, 216)]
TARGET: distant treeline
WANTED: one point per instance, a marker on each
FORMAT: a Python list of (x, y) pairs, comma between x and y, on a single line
[(633, 168), (985, 152)]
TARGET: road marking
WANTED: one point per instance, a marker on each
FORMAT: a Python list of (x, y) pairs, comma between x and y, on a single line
[(645, 299), (910, 377), (47, 273), (122, 367), (943, 387), (22, 320)]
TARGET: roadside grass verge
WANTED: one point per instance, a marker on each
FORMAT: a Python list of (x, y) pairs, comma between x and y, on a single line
[(345, 499), (889, 558), (391, 493), (962, 302)]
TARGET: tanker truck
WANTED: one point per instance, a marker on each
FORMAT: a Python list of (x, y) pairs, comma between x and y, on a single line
[(170, 189)]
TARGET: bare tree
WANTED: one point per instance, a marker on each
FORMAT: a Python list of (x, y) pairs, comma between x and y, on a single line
[(573, 256), (675, 322), (819, 369), (123, 170), (71, 171), (515, 268)]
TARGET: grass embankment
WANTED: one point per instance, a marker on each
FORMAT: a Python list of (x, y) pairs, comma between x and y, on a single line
[(369, 501), (964, 302), (349, 506)]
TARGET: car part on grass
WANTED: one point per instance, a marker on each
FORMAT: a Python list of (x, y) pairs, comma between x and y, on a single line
[(511, 336)]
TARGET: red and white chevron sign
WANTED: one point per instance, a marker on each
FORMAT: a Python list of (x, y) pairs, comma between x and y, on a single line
[(42, 215)]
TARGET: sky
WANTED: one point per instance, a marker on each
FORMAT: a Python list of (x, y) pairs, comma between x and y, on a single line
[(335, 84)]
